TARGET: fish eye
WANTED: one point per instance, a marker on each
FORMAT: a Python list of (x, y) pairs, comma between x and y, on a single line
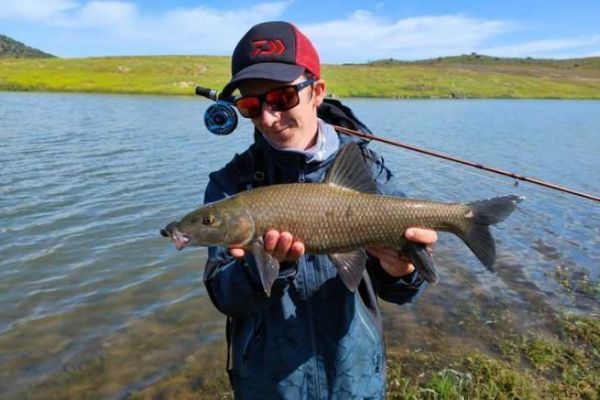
[(208, 219)]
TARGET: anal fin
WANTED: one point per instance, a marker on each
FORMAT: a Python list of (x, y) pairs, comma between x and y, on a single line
[(350, 267)]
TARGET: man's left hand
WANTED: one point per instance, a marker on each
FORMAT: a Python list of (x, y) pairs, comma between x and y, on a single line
[(397, 263)]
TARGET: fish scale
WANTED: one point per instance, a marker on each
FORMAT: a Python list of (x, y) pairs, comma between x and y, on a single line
[(328, 219)]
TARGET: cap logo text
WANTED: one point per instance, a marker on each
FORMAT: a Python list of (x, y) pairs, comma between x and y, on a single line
[(267, 47)]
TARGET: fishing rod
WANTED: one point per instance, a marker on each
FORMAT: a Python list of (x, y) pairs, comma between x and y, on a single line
[(468, 163), (220, 118)]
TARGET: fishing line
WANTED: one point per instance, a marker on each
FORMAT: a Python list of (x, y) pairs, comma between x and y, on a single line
[(221, 119)]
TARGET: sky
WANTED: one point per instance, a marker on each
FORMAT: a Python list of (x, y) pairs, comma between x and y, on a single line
[(348, 31)]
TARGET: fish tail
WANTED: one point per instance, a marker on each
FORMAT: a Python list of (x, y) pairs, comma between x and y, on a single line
[(484, 213)]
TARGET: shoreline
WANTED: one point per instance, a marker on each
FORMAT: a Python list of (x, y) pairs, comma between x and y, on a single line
[(193, 95)]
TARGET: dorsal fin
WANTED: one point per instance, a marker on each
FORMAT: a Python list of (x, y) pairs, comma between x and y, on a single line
[(350, 171)]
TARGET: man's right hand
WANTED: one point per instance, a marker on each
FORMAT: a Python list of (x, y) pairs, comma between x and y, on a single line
[(282, 246)]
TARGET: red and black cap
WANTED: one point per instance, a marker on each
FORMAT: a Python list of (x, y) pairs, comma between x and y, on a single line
[(276, 51)]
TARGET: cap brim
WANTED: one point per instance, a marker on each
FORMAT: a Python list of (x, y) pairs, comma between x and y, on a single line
[(279, 72)]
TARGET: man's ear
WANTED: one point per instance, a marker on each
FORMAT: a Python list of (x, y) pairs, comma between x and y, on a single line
[(319, 92)]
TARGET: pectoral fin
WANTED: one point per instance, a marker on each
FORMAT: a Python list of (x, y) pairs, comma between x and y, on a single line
[(422, 260), (350, 267), (267, 265)]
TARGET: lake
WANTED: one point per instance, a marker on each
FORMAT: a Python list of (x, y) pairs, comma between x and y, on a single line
[(92, 295)]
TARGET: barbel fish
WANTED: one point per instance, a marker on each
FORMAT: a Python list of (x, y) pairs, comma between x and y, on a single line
[(339, 217)]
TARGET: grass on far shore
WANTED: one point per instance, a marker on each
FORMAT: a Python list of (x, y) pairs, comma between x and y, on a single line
[(459, 77)]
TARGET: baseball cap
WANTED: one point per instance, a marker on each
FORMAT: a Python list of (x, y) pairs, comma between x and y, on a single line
[(274, 50)]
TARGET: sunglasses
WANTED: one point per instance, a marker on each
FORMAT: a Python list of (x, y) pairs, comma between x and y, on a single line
[(280, 99)]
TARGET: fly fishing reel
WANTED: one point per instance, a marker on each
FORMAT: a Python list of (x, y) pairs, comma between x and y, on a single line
[(220, 118)]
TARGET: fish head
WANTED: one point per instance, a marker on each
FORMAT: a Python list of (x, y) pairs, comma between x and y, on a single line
[(223, 223)]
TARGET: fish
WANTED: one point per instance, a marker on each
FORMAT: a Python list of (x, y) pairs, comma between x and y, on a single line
[(341, 217)]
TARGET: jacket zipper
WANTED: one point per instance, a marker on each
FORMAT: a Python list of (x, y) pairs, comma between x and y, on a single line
[(301, 175), (366, 324), (308, 289), (376, 338)]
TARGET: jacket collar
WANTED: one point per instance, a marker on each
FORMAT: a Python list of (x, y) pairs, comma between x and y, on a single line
[(327, 144)]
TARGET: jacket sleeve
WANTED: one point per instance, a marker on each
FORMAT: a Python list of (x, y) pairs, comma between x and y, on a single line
[(389, 288), (234, 285)]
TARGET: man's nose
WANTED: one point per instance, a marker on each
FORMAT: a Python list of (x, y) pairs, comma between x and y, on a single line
[(268, 115)]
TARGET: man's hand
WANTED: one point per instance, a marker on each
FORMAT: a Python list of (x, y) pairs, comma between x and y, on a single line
[(397, 264), (282, 246)]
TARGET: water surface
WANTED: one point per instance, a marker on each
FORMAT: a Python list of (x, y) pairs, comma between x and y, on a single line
[(87, 285)]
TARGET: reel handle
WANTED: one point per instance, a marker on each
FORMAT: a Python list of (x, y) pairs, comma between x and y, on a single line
[(211, 94)]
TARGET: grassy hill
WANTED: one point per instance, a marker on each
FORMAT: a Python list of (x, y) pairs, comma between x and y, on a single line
[(10, 48), (468, 76), (480, 59)]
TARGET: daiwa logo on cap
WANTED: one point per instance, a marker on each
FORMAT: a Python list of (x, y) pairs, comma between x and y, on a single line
[(267, 47)]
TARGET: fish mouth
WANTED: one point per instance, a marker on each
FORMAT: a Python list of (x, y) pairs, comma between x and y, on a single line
[(179, 239)]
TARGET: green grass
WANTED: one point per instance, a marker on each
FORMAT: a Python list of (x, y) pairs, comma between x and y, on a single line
[(465, 76), (535, 367), (575, 279), (142, 75)]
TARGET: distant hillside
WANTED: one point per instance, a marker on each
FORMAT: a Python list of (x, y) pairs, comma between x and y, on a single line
[(10, 48), (480, 59)]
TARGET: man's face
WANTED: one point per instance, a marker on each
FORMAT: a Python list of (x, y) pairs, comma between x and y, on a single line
[(295, 128)]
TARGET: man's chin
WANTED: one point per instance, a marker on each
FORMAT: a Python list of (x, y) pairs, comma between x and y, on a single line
[(283, 139), (283, 145)]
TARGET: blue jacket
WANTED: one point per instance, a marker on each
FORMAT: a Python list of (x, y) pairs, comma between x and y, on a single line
[(313, 338)]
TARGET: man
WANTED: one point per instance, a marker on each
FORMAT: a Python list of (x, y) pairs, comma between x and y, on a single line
[(312, 338)]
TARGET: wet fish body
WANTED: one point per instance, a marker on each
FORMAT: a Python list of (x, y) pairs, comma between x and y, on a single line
[(339, 217), (332, 219)]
